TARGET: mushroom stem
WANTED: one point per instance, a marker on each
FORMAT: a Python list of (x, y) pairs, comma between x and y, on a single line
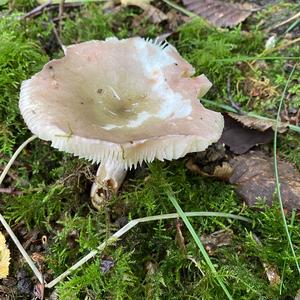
[(109, 178)]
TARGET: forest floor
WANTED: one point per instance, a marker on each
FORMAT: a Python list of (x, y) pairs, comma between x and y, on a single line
[(45, 197)]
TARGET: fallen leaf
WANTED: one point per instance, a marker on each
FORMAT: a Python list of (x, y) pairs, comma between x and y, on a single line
[(106, 264), (241, 139), (175, 19), (258, 124), (253, 175), (179, 238), (4, 257), (216, 239), (271, 270), (211, 162), (141, 3), (151, 13), (220, 13), (272, 274), (222, 172)]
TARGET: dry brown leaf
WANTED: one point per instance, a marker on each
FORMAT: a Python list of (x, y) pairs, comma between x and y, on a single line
[(4, 257), (151, 13), (216, 239), (253, 175), (272, 274), (141, 3), (258, 124), (222, 172), (179, 238), (220, 13), (241, 139)]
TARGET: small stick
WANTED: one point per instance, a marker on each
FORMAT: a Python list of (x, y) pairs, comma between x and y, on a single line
[(37, 10), (297, 15), (31, 264), (62, 46), (10, 191), (60, 14)]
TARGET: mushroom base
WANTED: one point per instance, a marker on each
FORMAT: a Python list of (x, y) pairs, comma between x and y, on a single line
[(109, 178)]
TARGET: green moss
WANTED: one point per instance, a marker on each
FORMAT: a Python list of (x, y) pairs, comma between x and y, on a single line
[(19, 58), (161, 269), (148, 263), (115, 284), (91, 23), (203, 45)]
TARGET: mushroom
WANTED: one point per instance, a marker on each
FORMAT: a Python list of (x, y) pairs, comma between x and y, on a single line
[(120, 102)]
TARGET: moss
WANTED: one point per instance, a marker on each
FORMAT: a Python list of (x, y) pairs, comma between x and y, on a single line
[(116, 283), (203, 46), (148, 263), (91, 23), (19, 58)]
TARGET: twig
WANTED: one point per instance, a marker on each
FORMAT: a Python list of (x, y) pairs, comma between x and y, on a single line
[(13, 158), (62, 46), (37, 10), (296, 16), (47, 7), (10, 191), (60, 14), (31, 264), (129, 226)]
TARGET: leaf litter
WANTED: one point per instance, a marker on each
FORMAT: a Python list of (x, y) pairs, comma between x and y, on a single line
[(221, 13)]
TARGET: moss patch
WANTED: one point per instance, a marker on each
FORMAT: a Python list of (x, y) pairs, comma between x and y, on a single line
[(147, 263)]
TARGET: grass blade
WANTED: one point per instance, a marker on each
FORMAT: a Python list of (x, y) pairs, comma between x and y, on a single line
[(198, 242), (132, 224), (277, 174), (14, 157)]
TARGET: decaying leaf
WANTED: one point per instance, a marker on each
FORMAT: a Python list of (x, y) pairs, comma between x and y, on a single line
[(141, 3), (240, 138), (222, 172), (253, 175), (216, 239), (107, 263), (258, 124), (4, 257), (272, 274), (151, 13), (179, 238), (220, 13), (211, 162)]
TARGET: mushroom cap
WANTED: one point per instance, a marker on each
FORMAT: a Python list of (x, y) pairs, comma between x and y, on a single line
[(129, 101)]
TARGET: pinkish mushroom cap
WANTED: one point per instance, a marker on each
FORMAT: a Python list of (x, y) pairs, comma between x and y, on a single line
[(125, 101)]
